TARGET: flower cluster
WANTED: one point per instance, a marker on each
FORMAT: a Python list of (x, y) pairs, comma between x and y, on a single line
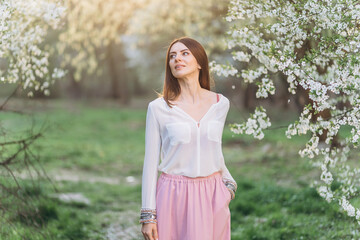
[(241, 56), (301, 126), (265, 87), (223, 69), (349, 208), (254, 125), (249, 76), (316, 45), (326, 193), (23, 29)]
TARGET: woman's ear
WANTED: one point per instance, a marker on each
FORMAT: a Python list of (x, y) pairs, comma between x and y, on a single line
[(199, 67)]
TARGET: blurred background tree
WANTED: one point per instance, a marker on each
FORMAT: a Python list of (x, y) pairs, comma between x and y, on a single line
[(91, 47), (24, 64), (112, 52), (115, 49)]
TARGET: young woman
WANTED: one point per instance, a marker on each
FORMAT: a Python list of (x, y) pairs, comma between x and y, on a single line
[(184, 126)]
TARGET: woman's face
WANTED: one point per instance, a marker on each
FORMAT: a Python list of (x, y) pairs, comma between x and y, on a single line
[(182, 62)]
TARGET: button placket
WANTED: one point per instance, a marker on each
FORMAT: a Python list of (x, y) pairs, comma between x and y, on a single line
[(198, 148)]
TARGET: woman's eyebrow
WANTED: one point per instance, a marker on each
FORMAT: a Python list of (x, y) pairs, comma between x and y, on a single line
[(181, 50)]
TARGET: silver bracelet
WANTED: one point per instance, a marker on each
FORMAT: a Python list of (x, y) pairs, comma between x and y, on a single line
[(148, 216), (231, 186)]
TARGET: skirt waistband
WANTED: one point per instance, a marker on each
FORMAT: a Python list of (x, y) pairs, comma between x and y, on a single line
[(189, 179)]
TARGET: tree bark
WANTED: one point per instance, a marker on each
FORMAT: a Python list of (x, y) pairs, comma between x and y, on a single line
[(75, 87), (118, 76), (249, 97)]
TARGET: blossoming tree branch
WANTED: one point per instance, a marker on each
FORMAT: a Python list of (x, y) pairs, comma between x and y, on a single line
[(316, 46), (23, 28)]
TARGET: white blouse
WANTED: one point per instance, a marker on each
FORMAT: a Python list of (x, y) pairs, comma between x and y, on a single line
[(186, 147)]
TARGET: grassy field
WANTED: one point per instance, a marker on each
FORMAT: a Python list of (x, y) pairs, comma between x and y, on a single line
[(94, 152)]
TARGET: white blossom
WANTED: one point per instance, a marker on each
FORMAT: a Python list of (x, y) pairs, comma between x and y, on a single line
[(224, 70), (326, 193), (241, 56), (328, 70), (254, 125), (24, 25)]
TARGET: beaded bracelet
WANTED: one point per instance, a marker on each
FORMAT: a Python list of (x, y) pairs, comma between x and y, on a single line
[(148, 216), (232, 187)]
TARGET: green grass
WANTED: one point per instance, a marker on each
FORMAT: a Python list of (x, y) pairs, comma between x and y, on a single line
[(95, 145)]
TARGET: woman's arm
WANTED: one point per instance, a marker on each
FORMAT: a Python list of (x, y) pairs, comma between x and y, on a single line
[(229, 181), (226, 176), (150, 172)]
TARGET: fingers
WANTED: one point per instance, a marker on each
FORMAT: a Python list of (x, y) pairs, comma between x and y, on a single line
[(146, 231), (147, 236), (155, 233)]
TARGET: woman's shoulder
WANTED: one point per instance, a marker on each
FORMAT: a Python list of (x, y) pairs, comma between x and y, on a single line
[(221, 96), (212, 93), (157, 102), (225, 98)]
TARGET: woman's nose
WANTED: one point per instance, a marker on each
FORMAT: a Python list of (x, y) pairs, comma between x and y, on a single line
[(177, 57)]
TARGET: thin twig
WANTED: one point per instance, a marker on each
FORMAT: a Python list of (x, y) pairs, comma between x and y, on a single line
[(8, 98), (21, 140)]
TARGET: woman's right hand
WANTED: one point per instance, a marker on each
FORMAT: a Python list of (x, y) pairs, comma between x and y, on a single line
[(149, 230)]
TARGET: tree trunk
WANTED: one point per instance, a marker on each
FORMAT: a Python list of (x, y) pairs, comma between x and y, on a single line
[(249, 97), (75, 88), (118, 76), (138, 89), (115, 93)]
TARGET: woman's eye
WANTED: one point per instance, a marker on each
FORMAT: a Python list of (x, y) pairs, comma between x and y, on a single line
[(186, 53), (172, 55)]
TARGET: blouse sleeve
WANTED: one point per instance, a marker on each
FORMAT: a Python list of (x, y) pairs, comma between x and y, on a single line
[(151, 162), (229, 181), (226, 176)]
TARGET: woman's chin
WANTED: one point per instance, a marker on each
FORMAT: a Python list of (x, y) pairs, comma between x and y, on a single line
[(179, 75)]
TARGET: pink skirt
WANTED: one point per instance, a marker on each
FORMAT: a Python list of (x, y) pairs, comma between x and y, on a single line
[(192, 208)]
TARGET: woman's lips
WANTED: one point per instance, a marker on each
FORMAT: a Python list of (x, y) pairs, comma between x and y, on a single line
[(177, 67)]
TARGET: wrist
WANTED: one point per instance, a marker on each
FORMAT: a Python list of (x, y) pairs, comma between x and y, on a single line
[(231, 186), (232, 193), (147, 216)]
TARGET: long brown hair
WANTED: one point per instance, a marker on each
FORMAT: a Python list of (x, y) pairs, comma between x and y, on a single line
[(171, 87)]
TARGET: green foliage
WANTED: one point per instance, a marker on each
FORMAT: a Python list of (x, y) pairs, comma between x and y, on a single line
[(265, 210), (72, 226), (273, 200)]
